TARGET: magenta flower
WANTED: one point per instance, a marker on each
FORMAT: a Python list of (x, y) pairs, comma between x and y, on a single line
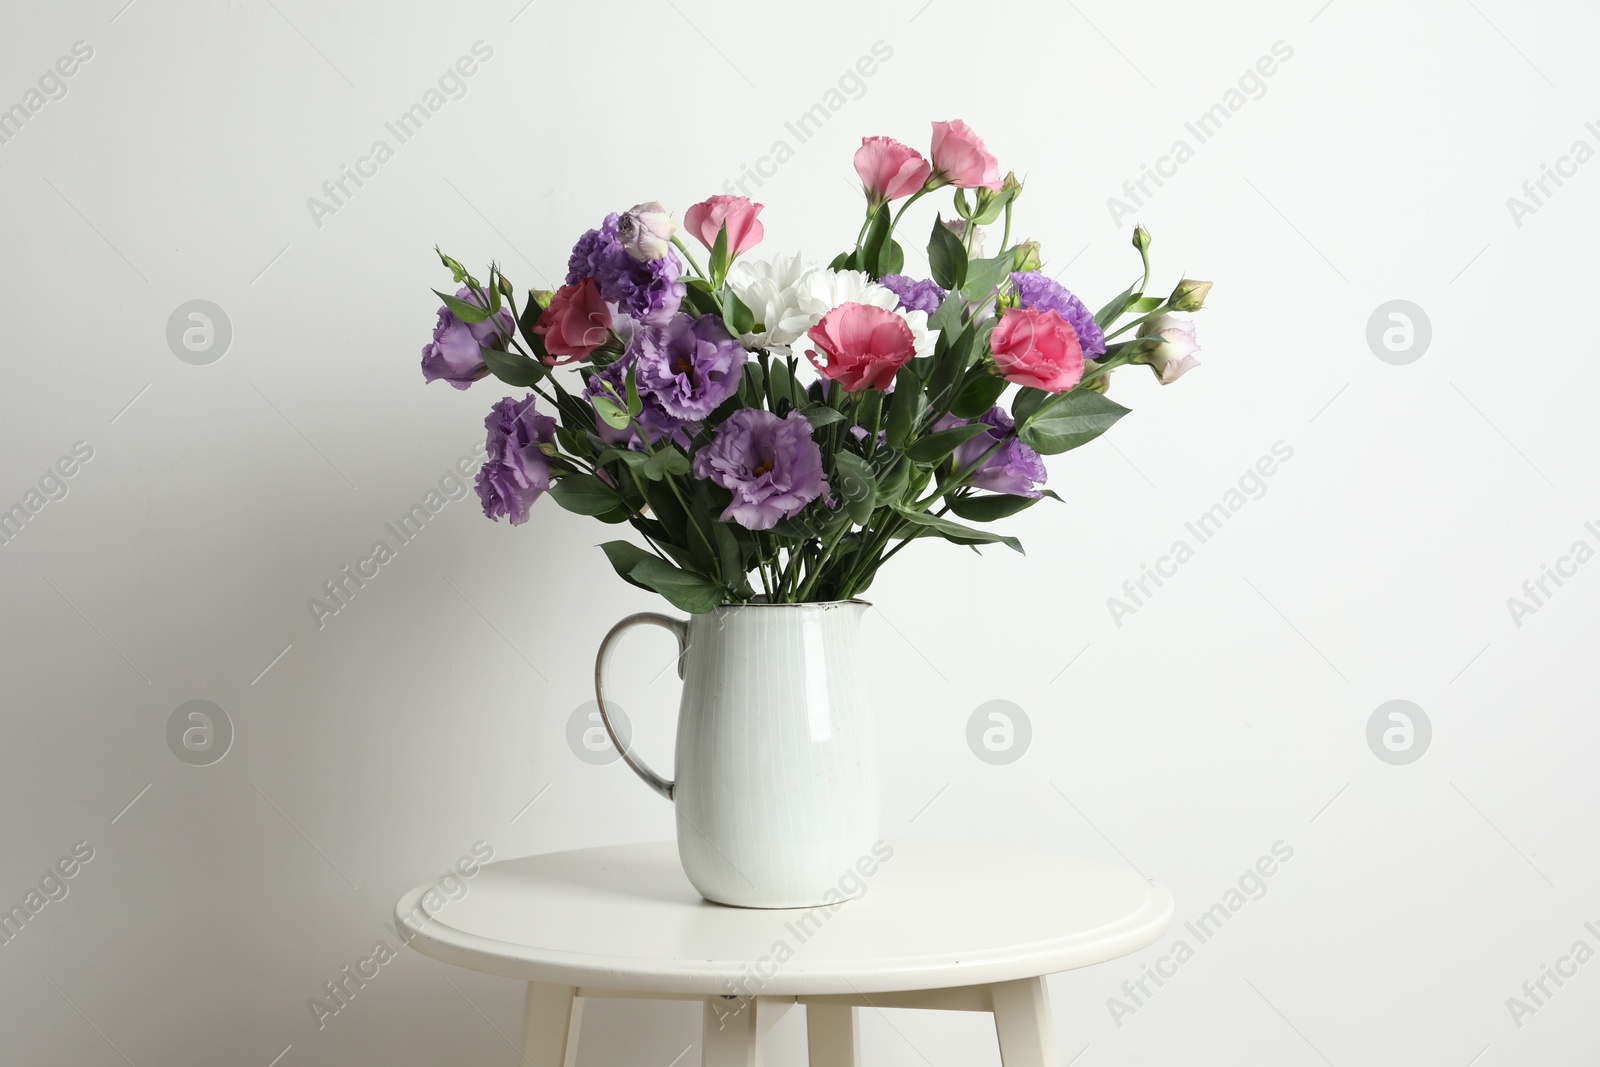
[(516, 472), (454, 355), (889, 170), (689, 366), (771, 465)]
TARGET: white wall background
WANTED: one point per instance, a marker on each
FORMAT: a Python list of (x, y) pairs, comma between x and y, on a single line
[(1227, 714)]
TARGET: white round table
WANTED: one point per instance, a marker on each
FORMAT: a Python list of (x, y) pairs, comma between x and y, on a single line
[(960, 927)]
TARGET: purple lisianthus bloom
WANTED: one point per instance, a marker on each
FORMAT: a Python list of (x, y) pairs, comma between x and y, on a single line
[(689, 366), (1015, 469), (516, 471), (771, 465), (1036, 290), (648, 291), (914, 295), (453, 356), (653, 419)]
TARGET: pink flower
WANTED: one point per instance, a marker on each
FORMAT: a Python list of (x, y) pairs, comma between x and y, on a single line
[(575, 324), (960, 158), (736, 212), (865, 346), (889, 170), (1037, 348)]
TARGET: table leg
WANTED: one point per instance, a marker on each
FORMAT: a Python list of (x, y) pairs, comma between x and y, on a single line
[(550, 1025), (832, 1036), (1022, 1022), (731, 1029)]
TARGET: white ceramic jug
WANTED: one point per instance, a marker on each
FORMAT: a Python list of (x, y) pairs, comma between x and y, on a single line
[(776, 785)]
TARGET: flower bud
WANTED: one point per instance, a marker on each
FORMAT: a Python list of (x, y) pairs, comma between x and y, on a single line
[(1141, 238), (1173, 346), (1190, 295), (1099, 383), (646, 231), (1028, 257)]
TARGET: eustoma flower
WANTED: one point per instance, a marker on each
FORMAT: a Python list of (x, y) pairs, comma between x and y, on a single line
[(454, 354), (689, 366), (1174, 354), (646, 231), (1036, 290), (738, 213), (961, 159), (889, 170), (649, 291), (1037, 348), (575, 324), (865, 346), (1013, 469), (516, 471), (653, 421), (770, 464), (924, 296)]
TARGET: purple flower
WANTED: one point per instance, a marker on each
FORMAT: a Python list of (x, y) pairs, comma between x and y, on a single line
[(914, 295), (454, 356), (770, 464), (1035, 290), (689, 366), (516, 472), (649, 291), (653, 419), (1015, 469)]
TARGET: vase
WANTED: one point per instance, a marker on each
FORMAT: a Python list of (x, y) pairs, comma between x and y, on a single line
[(776, 775)]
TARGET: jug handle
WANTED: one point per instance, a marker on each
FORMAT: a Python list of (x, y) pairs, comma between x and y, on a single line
[(680, 629)]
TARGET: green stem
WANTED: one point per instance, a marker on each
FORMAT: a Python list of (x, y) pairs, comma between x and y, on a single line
[(680, 246)]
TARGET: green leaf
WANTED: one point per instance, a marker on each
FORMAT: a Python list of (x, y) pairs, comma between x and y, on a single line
[(1026, 402), (947, 319), (952, 366), (630, 383), (752, 390), (954, 531), (988, 508), (869, 412), (461, 309), (513, 368), (856, 485), (843, 261), (612, 413), (779, 385), (872, 244), (985, 275), (996, 205), (685, 590), (963, 205), (1068, 420), (1119, 303), (934, 447), (947, 259), (978, 395), (584, 494), (626, 455), (699, 296), (820, 415), (736, 314), (667, 460), (718, 264), (892, 484), (904, 407), (892, 260)]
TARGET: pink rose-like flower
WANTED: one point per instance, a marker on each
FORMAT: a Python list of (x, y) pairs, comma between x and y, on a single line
[(575, 324), (890, 170), (738, 213), (960, 158), (1037, 348), (865, 346)]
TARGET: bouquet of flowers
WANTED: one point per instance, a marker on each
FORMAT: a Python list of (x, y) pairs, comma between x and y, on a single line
[(776, 431)]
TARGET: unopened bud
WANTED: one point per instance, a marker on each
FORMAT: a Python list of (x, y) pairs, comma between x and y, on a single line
[(1190, 295), (1141, 238), (1028, 256)]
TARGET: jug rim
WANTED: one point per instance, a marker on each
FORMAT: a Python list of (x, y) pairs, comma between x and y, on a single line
[(797, 604)]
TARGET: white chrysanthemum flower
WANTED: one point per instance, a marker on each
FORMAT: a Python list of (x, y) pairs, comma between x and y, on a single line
[(768, 289), (820, 290)]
